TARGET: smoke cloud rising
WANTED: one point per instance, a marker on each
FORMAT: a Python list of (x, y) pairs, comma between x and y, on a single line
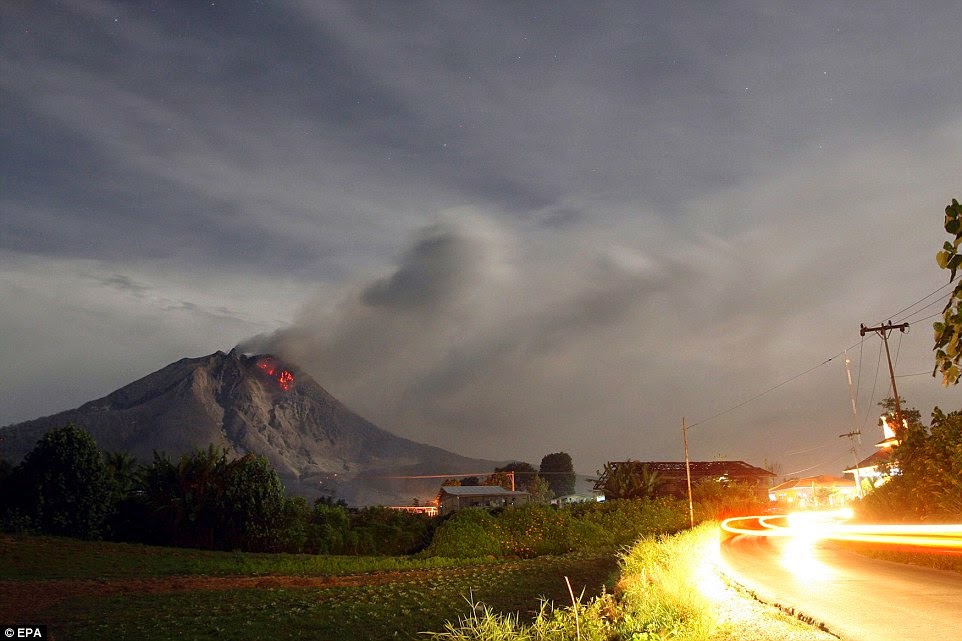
[(480, 342)]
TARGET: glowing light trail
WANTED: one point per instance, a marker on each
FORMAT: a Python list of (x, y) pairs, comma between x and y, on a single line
[(830, 526)]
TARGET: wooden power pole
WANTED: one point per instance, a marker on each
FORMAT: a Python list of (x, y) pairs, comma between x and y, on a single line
[(883, 330), (691, 507)]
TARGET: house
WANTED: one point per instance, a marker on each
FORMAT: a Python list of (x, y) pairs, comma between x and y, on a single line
[(452, 498), (672, 478), (814, 492), (427, 510), (877, 468)]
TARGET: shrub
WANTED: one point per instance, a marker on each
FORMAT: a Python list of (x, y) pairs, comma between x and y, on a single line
[(62, 487), (466, 534)]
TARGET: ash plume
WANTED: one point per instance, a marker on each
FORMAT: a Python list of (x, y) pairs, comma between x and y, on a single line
[(478, 333)]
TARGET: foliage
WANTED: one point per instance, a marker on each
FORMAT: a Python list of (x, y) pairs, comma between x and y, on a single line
[(182, 499), (382, 606), (28, 557), (657, 597), (927, 480), (382, 531), (466, 534), (531, 530), (629, 480), (524, 474), (251, 505), (717, 500), (210, 502), (948, 331), (538, 490), (559, 471), (500, 479), (61, 487)]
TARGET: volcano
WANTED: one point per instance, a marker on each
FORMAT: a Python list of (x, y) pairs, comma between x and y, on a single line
[(256, 404)]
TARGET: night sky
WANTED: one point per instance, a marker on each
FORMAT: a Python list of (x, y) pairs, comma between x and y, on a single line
[(502, 228)]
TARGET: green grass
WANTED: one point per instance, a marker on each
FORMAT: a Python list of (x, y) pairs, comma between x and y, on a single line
[(657, 597), (31, 558), (398, 610)]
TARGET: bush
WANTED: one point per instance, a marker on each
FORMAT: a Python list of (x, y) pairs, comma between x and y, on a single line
[(466, 534), (62, 487), (929, 485), (533, 530)]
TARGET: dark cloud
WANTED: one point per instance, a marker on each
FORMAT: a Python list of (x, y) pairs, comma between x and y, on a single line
[(543, 225)]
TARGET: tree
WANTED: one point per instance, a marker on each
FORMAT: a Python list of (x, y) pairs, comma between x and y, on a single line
[(183, 498), (928, 482), (62, 486), (629, 480), (948, 331), (911, 416), (470, 480), (502, 479), (559, 472), (250, 506), (539, 491), (210, 502), (523, 473)]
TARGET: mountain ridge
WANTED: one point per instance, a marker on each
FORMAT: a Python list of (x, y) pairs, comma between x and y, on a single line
[(255, 404)]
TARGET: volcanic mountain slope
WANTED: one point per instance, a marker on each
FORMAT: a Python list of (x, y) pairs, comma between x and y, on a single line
[(255, 404)]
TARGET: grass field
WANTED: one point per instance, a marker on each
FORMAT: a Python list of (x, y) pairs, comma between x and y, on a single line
[(28, 558), (91, 590)]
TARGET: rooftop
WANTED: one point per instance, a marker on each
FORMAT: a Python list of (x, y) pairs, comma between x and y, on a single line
[(479, 490)]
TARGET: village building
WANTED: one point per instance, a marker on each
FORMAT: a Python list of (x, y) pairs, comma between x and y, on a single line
[(672, 476), (814, 492), (452, 498), (877, 468)]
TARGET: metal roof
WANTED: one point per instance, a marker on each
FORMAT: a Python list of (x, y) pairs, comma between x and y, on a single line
[(817, 481), (719, 468), (479, 490)]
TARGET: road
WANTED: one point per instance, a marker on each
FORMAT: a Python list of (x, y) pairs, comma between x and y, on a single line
[(854, 597)]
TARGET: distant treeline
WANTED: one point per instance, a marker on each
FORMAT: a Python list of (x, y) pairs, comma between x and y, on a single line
[(67, 487)]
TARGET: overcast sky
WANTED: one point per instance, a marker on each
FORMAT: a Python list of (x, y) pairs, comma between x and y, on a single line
[(505, 229)]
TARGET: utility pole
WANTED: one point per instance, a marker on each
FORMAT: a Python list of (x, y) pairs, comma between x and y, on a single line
[(691, 507), (883, 330), (853, 436)]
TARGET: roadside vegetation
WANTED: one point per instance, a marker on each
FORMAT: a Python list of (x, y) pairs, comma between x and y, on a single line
[(668, 589), (925, 485)]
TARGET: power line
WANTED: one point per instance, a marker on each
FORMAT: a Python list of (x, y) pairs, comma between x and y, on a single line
[(937, 290), (817, 465), (937, 301), (770, 389), (878, 367), (925, 373), (828, 360)]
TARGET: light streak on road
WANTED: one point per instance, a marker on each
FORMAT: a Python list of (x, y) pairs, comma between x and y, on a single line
[(810, 527)]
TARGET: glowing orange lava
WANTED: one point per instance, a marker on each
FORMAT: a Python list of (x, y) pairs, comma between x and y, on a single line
[(283, 377)]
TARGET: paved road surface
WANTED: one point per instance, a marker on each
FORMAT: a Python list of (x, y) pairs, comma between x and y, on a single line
[(856, 598)]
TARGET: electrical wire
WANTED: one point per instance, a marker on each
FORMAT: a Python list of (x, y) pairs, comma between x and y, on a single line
[(937, 301), (871, 398), (770, 389), (937, 290), (828, 360), (817, 465)]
